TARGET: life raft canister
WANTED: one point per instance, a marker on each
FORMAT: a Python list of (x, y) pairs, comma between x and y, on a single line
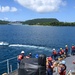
[(20, 57)]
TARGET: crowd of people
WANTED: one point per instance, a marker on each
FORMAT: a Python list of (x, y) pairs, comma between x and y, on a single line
[(56, 55), (50, 61), (51, 64)]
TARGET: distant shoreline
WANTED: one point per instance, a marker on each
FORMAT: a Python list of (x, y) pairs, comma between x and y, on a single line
[(51, 25), (39, 22), (41, 25)]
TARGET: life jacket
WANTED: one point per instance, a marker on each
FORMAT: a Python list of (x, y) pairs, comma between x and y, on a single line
[(63, 73), (20, 57), (27, 57), (54, 52), (66, 49), (49, 65), (62, 51), (73, 47), (73, 62)]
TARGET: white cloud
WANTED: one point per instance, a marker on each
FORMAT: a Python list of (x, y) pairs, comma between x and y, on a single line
[(13, 9), (5, 18), (7, 9), (42, 5)]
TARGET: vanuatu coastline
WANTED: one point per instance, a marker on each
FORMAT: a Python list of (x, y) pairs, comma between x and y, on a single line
[(40, 22)]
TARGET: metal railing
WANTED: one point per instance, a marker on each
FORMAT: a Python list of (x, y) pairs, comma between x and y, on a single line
[(9, 64)]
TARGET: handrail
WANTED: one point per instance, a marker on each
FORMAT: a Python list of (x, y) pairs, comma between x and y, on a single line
[(3, 61), (8, 59), (9, 67), (13, 58)]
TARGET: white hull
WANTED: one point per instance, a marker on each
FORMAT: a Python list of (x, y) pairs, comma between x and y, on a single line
[(4, 44)]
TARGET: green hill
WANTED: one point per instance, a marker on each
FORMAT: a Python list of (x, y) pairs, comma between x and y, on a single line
[(40, 21), (4, 22)]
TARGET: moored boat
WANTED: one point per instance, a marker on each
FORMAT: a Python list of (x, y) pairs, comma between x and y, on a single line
[(4, 44)]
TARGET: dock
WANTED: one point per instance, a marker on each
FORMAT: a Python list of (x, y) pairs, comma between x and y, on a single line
[(69, 63)]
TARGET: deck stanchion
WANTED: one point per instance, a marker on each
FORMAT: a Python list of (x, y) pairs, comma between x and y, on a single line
[(17, 63), (8, 66), (70, 51)]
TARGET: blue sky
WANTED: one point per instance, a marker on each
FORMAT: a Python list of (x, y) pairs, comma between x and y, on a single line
[(18, 10)]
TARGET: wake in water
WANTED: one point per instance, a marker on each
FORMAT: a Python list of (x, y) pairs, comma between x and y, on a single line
[(30, 46), (3, 44)]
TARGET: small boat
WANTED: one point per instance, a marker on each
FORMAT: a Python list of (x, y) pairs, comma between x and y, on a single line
[(15, 23), (4, 44)]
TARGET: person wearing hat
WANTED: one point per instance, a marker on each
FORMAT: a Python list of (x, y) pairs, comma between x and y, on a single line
[(66, 50), (59, 53), (73, 49), (62, 52), (54, 54), (21, 56), (29, 56), (36, 56), (50, 66), (62, 68)]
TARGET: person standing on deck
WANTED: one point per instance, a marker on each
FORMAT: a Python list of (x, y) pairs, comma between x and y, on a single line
[(62, 68), (54, 54), (59, 53), (62, 51), (37, 55), (66, 50), (73, 49), (21, 56), (29, 56), (50, 66)]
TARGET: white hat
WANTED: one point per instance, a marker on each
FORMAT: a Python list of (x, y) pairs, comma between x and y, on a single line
[(30, 53), (60, 48), (53, 49), (63, 62), (22, 51), (66, 45)]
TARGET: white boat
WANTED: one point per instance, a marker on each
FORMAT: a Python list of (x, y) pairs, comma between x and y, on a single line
[(4, 44), (15, 23)]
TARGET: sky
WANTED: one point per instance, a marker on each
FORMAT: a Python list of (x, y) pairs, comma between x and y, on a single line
[(22, 10)]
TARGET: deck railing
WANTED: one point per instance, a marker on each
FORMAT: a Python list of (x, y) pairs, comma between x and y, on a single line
[(10, 65)]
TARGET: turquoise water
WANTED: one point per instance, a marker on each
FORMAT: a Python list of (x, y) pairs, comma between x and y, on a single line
[(34, 39)]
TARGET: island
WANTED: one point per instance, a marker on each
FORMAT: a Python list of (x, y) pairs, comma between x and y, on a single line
[(39, 21), (2, 22), (48, 22)]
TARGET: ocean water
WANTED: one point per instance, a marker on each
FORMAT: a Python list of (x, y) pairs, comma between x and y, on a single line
[(34, 39)]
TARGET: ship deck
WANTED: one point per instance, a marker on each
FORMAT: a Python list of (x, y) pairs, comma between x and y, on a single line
[(13, 73), (69, 64)]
